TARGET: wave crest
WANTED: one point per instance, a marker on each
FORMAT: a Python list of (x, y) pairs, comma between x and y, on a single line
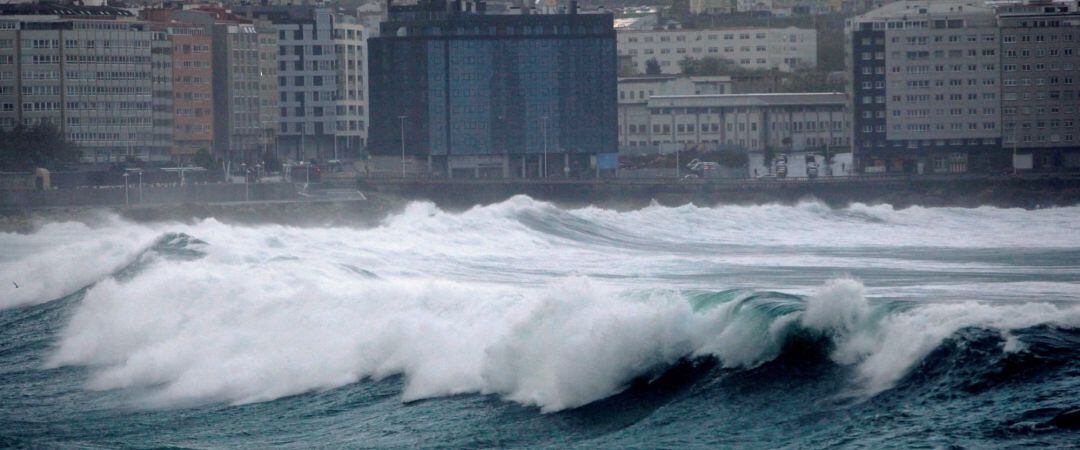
[(205, 336)]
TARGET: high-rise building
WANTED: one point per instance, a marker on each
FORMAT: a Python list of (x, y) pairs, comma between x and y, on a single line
[(350, 46), (307, 78), (91, 77), (925, 84), (161, 74), (244, 82), (489, 95), (321, 82), (1040, 62)]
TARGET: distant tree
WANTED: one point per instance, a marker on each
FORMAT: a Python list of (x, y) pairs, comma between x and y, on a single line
[(713, 66), (679, 10), (42, 145), (770, 154), (652, 67), (203, 159)]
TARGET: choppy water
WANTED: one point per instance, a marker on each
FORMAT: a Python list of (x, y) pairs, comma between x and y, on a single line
[(523, 324)]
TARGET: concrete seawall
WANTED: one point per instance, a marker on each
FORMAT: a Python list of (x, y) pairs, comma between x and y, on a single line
[(1007, 192), (150, 194), (388, 196)]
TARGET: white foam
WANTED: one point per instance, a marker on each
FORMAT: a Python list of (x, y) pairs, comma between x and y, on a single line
[(884, 347), (62, 258), (484, 302)]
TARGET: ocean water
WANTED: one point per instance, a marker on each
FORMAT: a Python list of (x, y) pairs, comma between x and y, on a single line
[(525, 324)]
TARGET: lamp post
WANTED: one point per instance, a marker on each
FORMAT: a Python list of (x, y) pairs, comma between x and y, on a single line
[(677, 171), (127, 200), (244, 170), (140, 187), (402, 120), (544, 165)]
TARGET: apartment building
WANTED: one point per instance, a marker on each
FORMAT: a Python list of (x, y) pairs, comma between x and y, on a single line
[(1040, 62), (926, 87), (243, 55), (321, 64), (784, 49), (162, 82), (189, 88), (89, 76), (350, 47), (307, 78), (797, 122)]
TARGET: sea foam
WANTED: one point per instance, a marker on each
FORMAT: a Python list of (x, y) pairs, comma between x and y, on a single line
[(539, 305)]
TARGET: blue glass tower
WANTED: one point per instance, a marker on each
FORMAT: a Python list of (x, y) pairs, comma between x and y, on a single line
[(489, 95)]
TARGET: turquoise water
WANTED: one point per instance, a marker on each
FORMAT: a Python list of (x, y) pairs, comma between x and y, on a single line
[(525, 324)]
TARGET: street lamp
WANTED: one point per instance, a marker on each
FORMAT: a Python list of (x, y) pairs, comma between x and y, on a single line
[(677, 168), (243, 168), (545, 148), (402, 120), (127, 200)]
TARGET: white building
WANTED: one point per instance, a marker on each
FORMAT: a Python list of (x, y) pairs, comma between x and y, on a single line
[(926, 87), (322, 73), (89, 77), (350, 46), (783, 49), (782, 123)]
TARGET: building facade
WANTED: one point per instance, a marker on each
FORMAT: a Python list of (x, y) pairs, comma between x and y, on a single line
[(306, 78), (245, 90), (350, 47), (780, 123), (89, 77), (783, 49), (321, 81), (634, 94), (926, 85), (1040, 62), (161, 74), (488, 95)]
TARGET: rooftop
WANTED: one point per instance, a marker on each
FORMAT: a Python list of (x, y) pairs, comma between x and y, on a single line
[(926, 8), (781, 99), (48, 9)]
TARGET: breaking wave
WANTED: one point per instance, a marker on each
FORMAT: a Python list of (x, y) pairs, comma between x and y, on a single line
[(538, 305)]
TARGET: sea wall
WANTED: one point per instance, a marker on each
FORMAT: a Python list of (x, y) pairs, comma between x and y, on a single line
[(1006, 192), (148, 194), (386, 197)]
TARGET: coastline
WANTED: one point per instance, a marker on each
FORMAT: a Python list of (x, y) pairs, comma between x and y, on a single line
[(386, 197)]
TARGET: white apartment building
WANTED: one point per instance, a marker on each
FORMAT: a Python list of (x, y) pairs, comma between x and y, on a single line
[(91, 78), (350, 46), (926, 86), (1040, 71), (784, 49), (322, 80), (307, 80)]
